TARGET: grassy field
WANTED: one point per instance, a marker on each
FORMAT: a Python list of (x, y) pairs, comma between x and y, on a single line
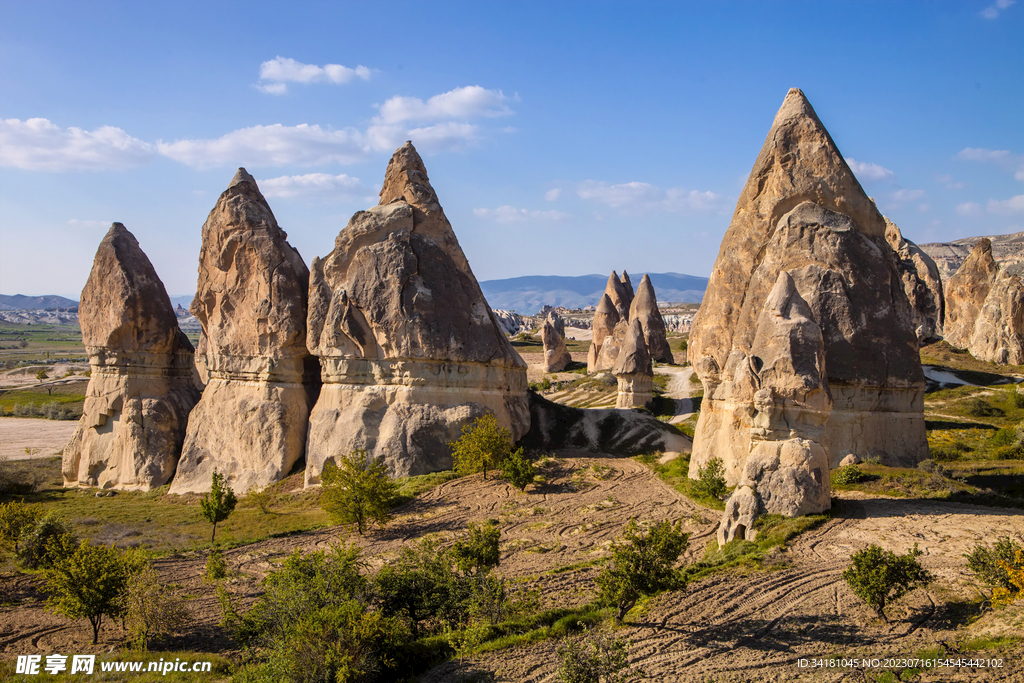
[(62, 402), (22, 345)]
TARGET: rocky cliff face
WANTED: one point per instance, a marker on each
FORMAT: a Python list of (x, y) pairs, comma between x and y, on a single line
[(140, 389), (556, 355), (1007, 251), (645, 309), (985, 308), (802, 212), (410, 350), (921, 283), (251, 301), (633, 369)]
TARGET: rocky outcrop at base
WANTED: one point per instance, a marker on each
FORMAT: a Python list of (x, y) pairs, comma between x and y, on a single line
[(140, 387), (556, 355), (411, 352)]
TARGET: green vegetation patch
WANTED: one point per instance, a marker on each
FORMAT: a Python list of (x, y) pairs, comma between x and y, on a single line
[(675, 473), (62, 402), (997, 487)]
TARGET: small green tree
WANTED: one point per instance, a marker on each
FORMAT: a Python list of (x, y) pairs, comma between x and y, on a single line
[(881, 577), (357, 490), (595, 659), (48, 541), (218, 503), (17, 520), (483, 444), (216, 565), (41, 375), (478, 550), (710, 481), (518, 470), (151, 608), (642, 564), (90, 583), (989, 564)]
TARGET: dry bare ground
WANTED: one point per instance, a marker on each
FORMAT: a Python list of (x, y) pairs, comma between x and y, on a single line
[(732, 626), (22, 438)]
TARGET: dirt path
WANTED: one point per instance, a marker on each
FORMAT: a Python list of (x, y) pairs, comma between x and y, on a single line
[(23, 438)]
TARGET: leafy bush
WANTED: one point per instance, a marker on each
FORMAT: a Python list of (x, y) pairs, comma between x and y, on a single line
[(478, 550), (151, 608), (16, 520), (357, 490), (518, 470), (259, 497), (848, 474), (216, 565), (483, 444), (422, 587), (90, 582), (932, 467), (596, 659), (216, 505), (710, 481), (979, 407), (542, 385), (642, 564), (880, 577), (987, 563), (1015, 573), (50, 540)]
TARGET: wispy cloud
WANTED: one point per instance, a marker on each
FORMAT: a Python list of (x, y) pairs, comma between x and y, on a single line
[(969, 209), (993, 10), (1007, 206), (510, 214), (274, 145), (461, 103), (869, 172), (644, 196), (88, 225), (40, 145), (949, 182), (276, 73), (1003, 158), (553, 195), (316, 185)]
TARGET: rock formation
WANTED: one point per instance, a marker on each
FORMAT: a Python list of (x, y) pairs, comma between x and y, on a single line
[(1007, 250), (620, 296), (410, 350), (633, 370), (512, 323), (627, 286), (786, 469), (921, 283), (557, 322), (985, 308), (605, 319), (140, 388), (645, 309), (556, 355), (250, 424), (803, 212), (612, 346)]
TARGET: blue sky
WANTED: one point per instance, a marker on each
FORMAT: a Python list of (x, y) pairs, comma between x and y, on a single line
[(562, 138)]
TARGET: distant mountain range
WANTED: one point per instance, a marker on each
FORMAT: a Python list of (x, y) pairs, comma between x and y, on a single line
[(528, 294), (1007, 250), (20, 301)]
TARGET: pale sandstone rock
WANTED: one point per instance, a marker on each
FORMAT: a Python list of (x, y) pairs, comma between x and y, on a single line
[(741, 511), (633, 370), (619, 295), (850, 459), (605, 319), (1007, 250), (627, 286), (140, 388), (250, 424), (557, 322), (921, 283), (556, 355), (802, 211), (985, 308), (410, 350), (612, 346), (645, 309)]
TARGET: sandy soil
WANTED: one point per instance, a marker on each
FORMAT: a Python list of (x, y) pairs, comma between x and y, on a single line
[(728, 627), (42, 438)]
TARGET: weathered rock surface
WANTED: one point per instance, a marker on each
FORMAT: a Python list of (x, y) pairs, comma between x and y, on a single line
[(633, 370), (556, 355), (627, 285), (921, 283), (1007, 250), (612, 346), (645, 309), (620, 297), (605, 319), (985, 309), (512, 323), (250, 424), (617, 432), (140, 389), (410, 350), (802, 212), (557, 322)]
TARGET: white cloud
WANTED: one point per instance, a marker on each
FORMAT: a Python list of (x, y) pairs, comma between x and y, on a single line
[(279, 71), (88, 225), (553, 195), (869, 172), (900, 196), (510, 214), (993, 10), (644, 196), (40, 145), (949, 182), (315, 185), (469, 102), (1007, 206), (968, 209), (274, 145), (1001, 157)]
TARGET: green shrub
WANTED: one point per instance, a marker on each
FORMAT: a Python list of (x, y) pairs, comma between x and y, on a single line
[(423, 588), (17, 520), (848, 474), (518, 470), (979, 407), (989, 565), (151, 608), (881, 577), (216, 565), (710, 482), (357, 490), (90, 582), (216, 505), (478, 550), (642, 564), (50, 540), (484, 444), (594, 659)]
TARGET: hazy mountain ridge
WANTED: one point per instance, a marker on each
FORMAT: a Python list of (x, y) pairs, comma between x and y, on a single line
[(15, 302), (1007, 250), (528, 293)]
